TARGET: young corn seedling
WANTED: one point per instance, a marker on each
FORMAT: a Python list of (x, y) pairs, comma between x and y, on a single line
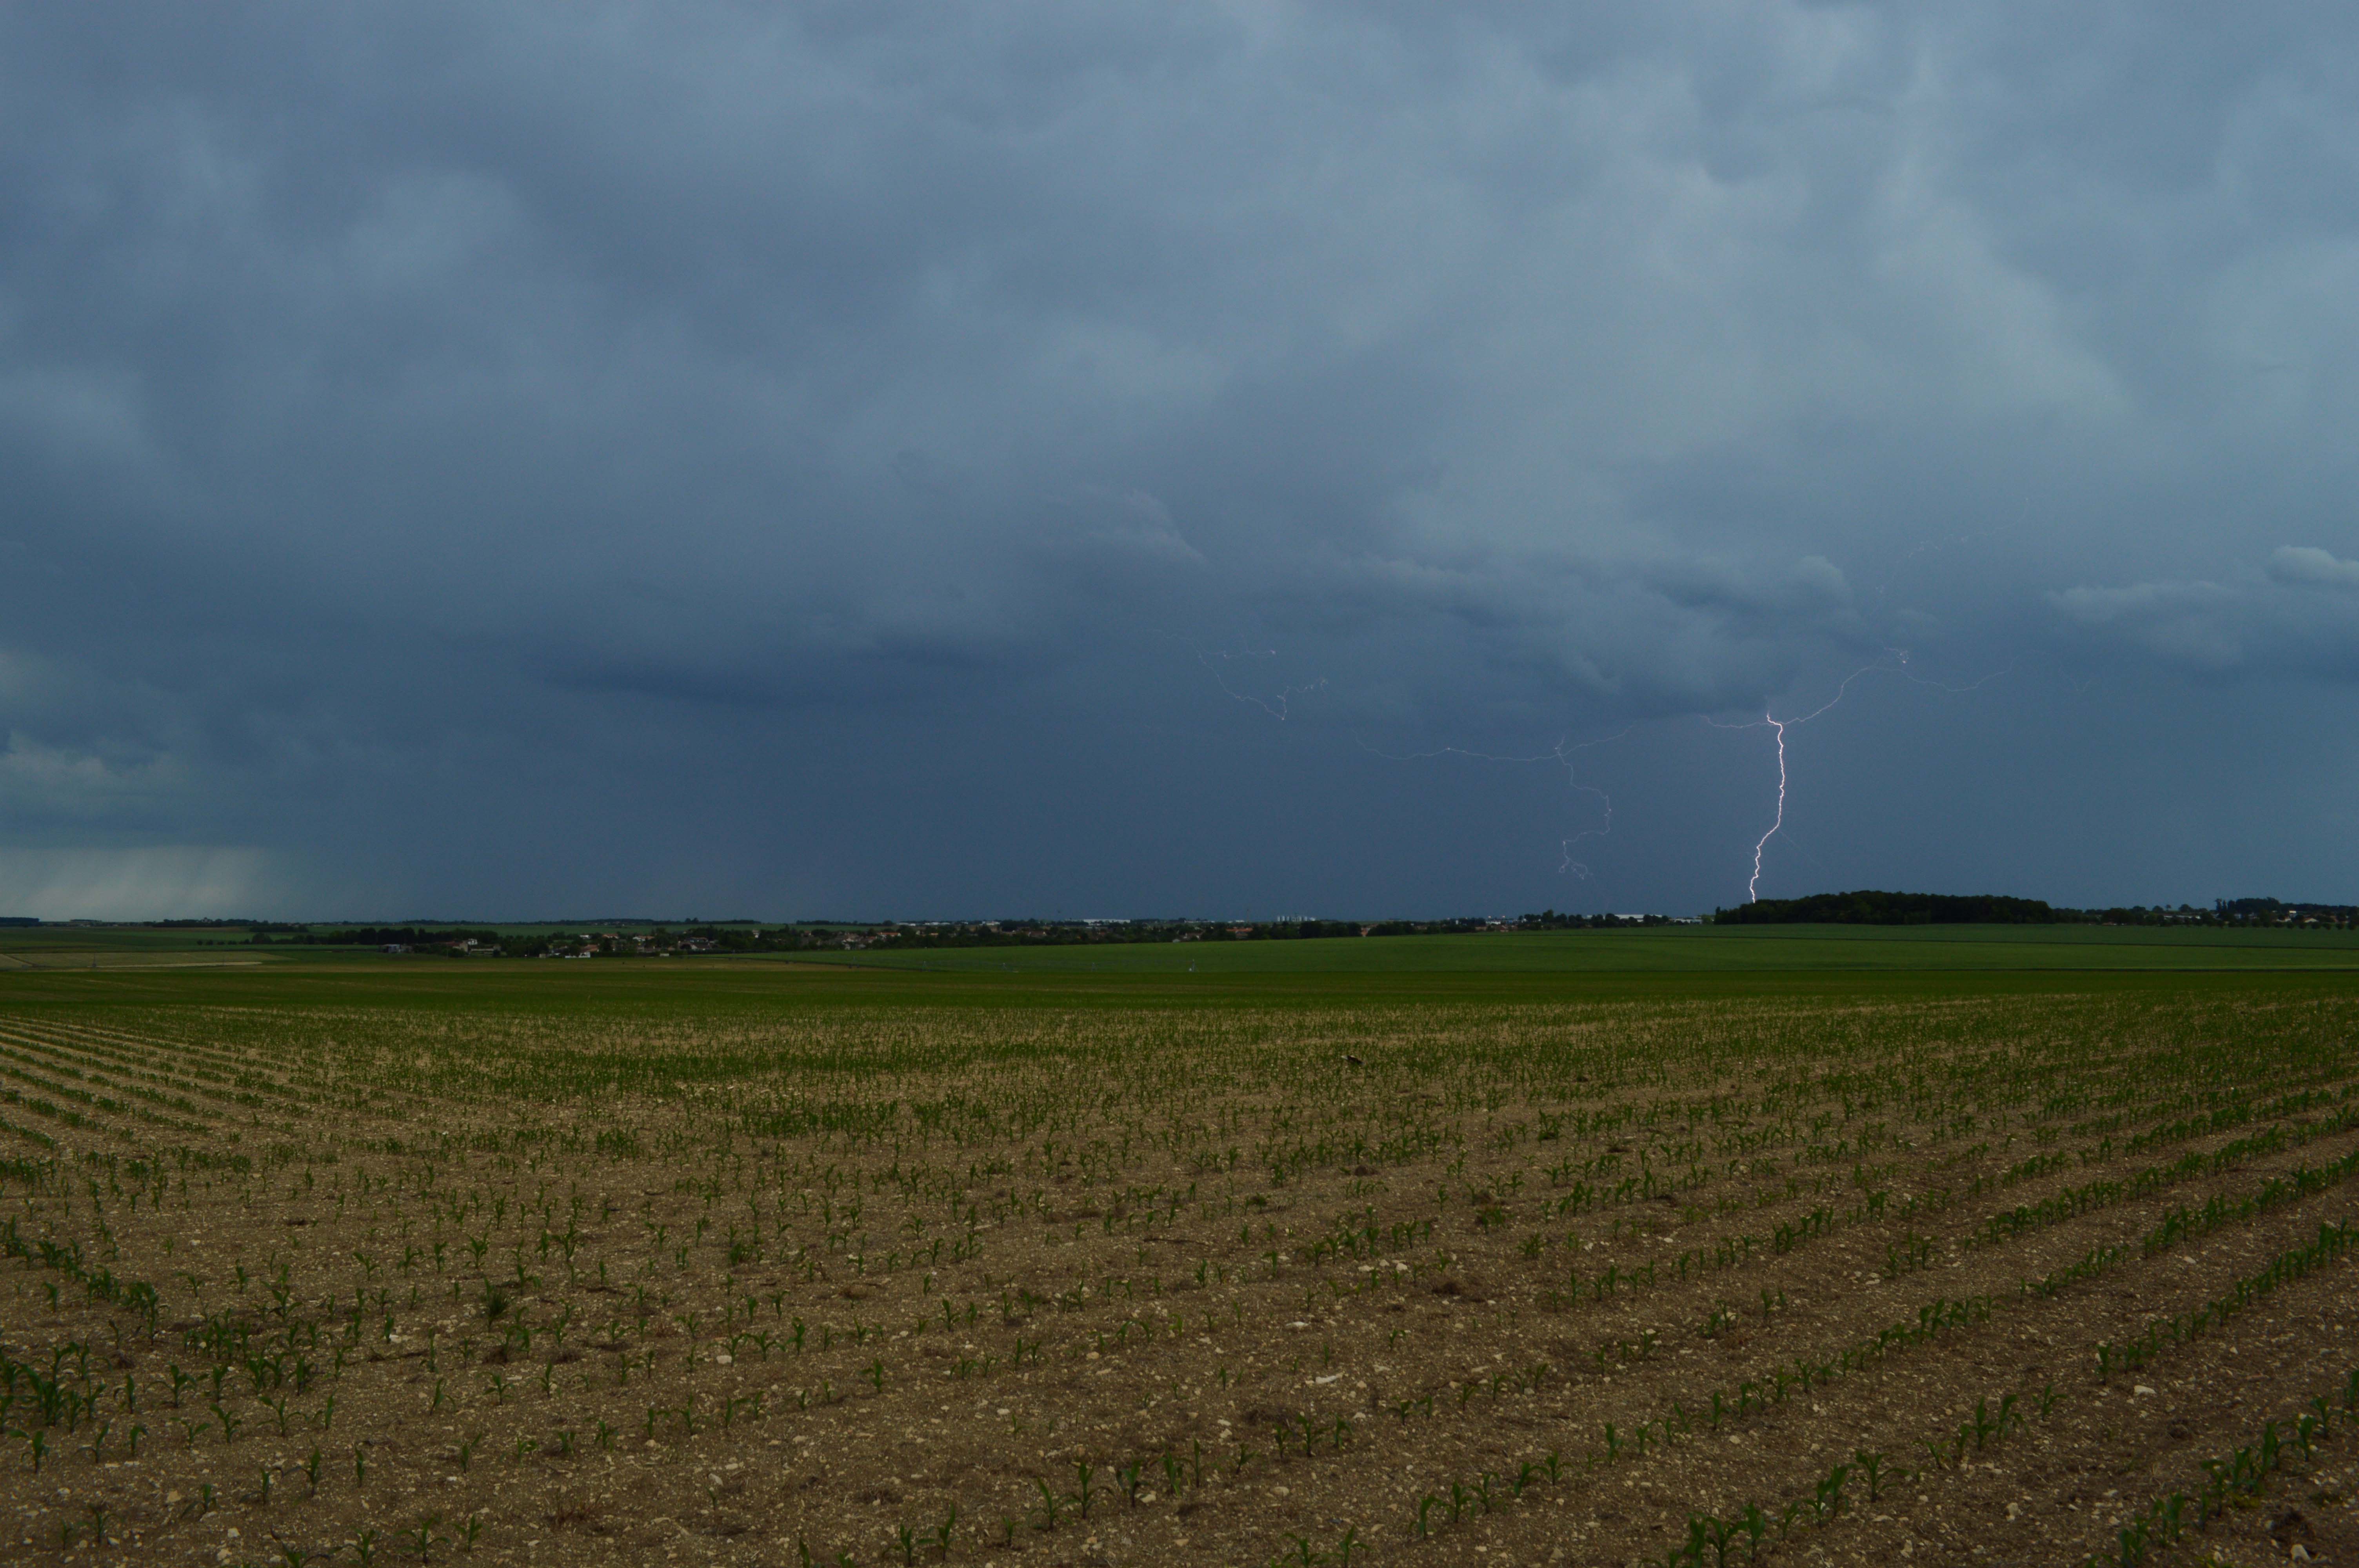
[(944, 1535), (1828, 1500), (1705, 1533), (1755, 1526)]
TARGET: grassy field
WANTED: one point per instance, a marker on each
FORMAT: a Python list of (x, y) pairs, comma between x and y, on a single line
[(1674, 1245), (1693, 949)]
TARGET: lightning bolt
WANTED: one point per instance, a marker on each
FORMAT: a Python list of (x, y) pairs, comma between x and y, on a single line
[(1276, 706), (1566, 864), (1559, 754), (1899, 666), (1753, 882)]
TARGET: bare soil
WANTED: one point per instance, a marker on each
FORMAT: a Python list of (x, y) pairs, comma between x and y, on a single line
[(1216, 1292)]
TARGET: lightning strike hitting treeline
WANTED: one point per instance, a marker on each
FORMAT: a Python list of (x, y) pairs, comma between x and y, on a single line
[(1761, 845), (1895, 663)]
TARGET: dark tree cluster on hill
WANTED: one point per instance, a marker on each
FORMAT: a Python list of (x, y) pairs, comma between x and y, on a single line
[(1869, 907), (1550, 920), (2270, 911), (398, 936)]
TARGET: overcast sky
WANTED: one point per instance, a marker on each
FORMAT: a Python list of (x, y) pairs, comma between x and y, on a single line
[(875, 460)]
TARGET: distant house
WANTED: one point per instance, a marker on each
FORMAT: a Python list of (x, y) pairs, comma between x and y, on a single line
[(397, 946)]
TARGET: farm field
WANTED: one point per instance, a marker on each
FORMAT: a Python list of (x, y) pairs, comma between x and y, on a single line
[(759, 1262), (1692, 950)]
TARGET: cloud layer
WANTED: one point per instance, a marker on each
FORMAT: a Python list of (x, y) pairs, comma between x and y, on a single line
[(2297, 613), (500, 459)]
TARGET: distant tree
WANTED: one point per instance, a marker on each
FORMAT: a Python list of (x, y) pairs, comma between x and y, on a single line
[(1870, 907)]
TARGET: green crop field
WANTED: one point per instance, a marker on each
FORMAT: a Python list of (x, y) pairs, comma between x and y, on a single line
[(1694, 949), (1682, 1245)]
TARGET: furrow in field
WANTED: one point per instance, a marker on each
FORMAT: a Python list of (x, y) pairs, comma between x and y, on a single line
[(118, 1060), (74, 1108), (165, 1065), (246, 1070), (59, 1066)]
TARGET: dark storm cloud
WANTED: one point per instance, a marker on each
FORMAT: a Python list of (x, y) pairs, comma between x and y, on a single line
[(2298, 612), (505, 459)]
